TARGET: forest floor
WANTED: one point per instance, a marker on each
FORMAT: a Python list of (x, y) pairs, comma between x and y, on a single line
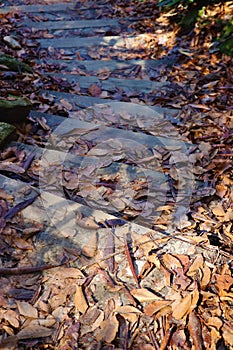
[(116, 193)]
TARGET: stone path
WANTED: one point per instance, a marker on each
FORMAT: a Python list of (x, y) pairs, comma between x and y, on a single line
[(110, 160)]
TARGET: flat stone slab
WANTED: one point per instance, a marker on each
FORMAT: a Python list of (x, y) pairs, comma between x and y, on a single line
[(63, 125), (80, 102), (69, 25), (111, 84), (59, 162), (67, 224), (111, 65), (116, 42), (37, 8)]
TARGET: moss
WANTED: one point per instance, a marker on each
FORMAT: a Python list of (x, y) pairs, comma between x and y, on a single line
[(14, 109), (5, 131), (14, 64)]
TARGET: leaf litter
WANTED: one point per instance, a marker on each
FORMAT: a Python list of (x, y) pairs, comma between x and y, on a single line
[(143, 292)]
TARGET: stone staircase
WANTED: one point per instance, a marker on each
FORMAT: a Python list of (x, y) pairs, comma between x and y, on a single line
[(117, 161)]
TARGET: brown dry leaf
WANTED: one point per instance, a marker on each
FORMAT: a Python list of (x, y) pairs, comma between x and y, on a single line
[(90, 316), (194, 327), (61, 313), (156, 306), (206, 276), (214, 321), (27, 309), (77, 132), (8, 330), (218, 210), (130, 313), (66, 104), (98, 151), (108, 329), (223, 283), (196, 265), (229, 215), (71, 180), (12, 317), (94, 90), (90, 249), (86, 222), (228, 333), (221, 190), (33, 332), (183, 307), (144, 295), (58, 299), (68, 272), (79, 300), (91, 320), (22, 244), (171, 262)]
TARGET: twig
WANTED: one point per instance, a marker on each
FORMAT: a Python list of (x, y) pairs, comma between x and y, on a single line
[(130, 261), (20, 206), (12, 271)]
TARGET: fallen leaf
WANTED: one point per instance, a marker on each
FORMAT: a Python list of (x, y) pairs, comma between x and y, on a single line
[(144, 295), (34, 332), (27, 309), (79, 300), (130, 313), (183, 307), (156, 306), (108, 330), (94, 90), (12, 317), (194, 327), (66, 104), (90, 249)]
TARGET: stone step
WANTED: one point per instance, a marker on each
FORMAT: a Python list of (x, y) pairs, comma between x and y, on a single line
[(66, 225), (143, 151), (40, 8), (112, 84), (76, 230), (70, 25), (103, 132), (79, 102), (97, 66), (89, 186), (115, 42)]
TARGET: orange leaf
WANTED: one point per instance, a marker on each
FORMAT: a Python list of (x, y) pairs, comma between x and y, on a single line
[(182, 308), (156, 306), (171, 262), (130, 313), (142, 295), (79, 300), (194, 327), (108, 330)]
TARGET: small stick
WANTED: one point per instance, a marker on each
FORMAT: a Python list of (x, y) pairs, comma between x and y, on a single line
[(12, 271), (131, 265)]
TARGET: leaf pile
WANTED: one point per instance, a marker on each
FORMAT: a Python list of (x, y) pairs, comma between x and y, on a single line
[(125, 286)]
